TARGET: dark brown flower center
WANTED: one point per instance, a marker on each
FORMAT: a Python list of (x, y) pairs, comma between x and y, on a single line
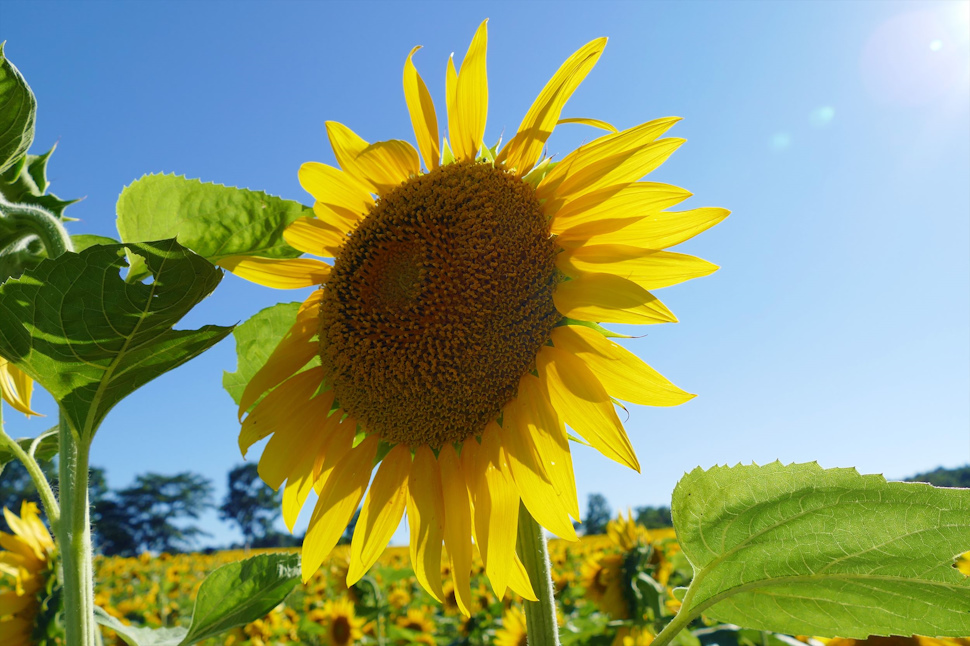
[(438, 303)]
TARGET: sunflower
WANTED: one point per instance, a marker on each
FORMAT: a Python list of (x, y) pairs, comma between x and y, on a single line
[(418, 621), (338, 619), (26, 564), (626, 533), (15, 387), (603, 580), (513, 631), (456, 333)]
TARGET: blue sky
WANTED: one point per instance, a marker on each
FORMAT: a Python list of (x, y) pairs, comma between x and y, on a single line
[(838, 328)]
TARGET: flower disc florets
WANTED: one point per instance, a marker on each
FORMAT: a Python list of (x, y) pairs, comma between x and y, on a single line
[(438, 303)]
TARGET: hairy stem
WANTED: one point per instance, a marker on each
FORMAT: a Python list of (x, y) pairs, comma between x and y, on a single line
[(74, 537), (39, 222), (540, 616)]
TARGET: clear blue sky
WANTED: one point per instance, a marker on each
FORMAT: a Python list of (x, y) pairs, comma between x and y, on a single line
[(838, 328)]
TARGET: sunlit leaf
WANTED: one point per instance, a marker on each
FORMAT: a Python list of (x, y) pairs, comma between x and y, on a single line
[(255, 341), (18, 109), (90, 339), (241, 592), (212, 220), (809, 551)]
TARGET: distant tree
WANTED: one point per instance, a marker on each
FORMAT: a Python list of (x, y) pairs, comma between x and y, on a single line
[(348, 534), (250, 504), (598, 514), (940, 477), (142, 516), (654, 517)]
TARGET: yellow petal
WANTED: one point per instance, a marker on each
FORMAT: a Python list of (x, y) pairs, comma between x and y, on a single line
[(277, 407), (519, 580), (381, 513), (451, 100), (525, 148), (496, 512), (653, 231), (314, 236), (604, 298), (471, 98), (612, 159), (421, 109), (328, 443), (334, 188), (540, 420), (620, 371), (337, 503), (426, 518), (584, 404), (288, 273), (380, 166), (336, 448), (458, 527), (16, 387), (535, 487), (293, 352), (292, 439), (647, 268), (614, 207), (594, 123)]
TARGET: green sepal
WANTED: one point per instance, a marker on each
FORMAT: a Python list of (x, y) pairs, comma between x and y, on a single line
[(26, 183)]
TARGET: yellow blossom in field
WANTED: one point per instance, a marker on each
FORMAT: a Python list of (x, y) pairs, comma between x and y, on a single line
[(418, 620), (603, 579), (626, 533), (25, 565), (633, 636), (341, 624), (513, 630)]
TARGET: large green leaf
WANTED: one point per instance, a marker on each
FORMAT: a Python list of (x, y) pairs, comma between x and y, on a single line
[(88, 337), (241, 592), (809, 551), (255, 341), (212, 220), (135, 636), (27, 183), (18, 109)]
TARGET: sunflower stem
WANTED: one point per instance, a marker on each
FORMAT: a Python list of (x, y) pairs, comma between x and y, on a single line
[(43, 487), (540, 616), (39, 222), (74, 537)]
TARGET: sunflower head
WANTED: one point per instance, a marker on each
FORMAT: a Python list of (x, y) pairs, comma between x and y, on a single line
[(455, 334), (513, 631), (626, 533), (603, 579)]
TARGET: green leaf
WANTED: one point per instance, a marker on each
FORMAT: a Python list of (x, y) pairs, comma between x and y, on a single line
[(27, 183), (255, 341), (241, 592), (212, 220), (809, 551), (140, 636), (85, 240), (18, 109), (90, 338)]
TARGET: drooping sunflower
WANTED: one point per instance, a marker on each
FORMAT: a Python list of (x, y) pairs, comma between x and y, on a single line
[(603, 579), (16, 387), (455, 335), (26, 565)]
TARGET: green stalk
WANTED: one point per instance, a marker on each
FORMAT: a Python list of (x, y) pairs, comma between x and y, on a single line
[(47, 498), (681, 620), (39, 222), (540, 616), (74, 537)]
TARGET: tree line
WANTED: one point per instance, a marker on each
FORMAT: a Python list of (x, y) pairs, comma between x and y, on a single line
[(156, 513)]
